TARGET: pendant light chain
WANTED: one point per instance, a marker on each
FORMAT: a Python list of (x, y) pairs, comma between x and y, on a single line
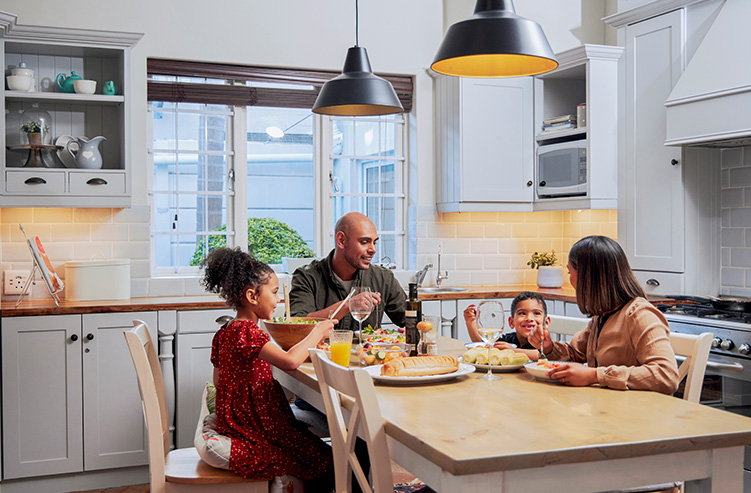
[(357, 22)]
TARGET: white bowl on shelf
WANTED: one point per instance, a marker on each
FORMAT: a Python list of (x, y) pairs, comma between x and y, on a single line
[(84, 86), (19, 83)]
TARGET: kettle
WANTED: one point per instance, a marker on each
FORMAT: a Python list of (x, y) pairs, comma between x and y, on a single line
[(87, 156), (67, 82)]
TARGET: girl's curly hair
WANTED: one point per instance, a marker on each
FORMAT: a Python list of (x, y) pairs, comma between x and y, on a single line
[(230, 272)]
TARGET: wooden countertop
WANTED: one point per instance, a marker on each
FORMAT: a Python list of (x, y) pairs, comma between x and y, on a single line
[(206, 302)]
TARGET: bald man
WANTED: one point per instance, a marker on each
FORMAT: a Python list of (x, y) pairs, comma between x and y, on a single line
[(321, 286)]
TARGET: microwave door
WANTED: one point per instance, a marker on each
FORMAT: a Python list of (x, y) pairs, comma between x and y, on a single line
[(559, 173)]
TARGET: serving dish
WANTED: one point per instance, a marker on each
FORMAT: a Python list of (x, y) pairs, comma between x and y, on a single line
[(541, 373), (375, 372), (291, 331)]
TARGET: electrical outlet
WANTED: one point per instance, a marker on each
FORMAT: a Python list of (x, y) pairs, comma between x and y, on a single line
[(14, 281)]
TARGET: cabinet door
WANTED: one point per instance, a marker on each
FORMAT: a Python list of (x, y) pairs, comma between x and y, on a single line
[(496, 140), (42, 412), (114, 427), (195, 331), (652, 217)]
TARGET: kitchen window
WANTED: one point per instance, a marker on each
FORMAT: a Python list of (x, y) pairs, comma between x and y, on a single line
[(238, 154)]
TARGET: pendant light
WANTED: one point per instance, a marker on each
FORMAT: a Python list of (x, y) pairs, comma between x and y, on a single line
[(357, 91), (494, 42)]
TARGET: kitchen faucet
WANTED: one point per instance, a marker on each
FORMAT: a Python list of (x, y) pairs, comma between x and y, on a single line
[(420, 274), (441, 275)]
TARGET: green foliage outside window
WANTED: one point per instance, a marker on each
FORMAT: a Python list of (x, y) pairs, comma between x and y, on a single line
[(268, 240)]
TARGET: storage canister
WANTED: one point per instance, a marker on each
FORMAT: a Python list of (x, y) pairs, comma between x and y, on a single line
[(92, 280)]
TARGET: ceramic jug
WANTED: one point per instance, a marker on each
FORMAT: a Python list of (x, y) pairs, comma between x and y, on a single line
[(87, 156), (109, 88), (67, 82)]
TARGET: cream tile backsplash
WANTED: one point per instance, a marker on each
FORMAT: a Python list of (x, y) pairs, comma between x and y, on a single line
[(735, 274), (479, 248)]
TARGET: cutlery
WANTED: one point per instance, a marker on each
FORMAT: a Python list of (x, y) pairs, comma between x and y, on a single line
[(542, 345), (341, 305), (286, 302)]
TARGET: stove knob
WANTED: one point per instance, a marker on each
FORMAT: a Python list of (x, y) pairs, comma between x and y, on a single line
[(727, 345), (716, 342), (744, 349)]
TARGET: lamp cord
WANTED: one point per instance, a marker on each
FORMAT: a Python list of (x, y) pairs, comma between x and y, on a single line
[(357, 23)]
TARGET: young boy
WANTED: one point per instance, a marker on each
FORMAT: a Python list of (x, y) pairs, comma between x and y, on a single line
[(528, 313)]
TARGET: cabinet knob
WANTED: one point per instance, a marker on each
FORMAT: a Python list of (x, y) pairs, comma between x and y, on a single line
[(74, 337), (90, 337), (97, 181), (529, 183), (673, 162), (543, 183), (35, 180), (653, 282)]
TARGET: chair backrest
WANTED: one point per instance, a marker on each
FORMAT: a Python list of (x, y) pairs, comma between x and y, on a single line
[(365, 415), (695, 348), (567, 326), (151, 386)]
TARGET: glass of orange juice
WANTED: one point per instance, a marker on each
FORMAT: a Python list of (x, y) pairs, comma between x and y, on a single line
[(340, 342)]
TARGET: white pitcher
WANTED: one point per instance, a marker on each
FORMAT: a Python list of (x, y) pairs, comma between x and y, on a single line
[(87, 156)]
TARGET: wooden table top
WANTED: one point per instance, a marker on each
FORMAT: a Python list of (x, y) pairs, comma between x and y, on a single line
[(469, 426)]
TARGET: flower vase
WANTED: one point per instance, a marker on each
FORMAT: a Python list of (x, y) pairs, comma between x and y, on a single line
[(35, 138), (550, 276)]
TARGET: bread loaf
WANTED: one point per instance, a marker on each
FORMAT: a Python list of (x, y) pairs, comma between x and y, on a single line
[(418, 366)]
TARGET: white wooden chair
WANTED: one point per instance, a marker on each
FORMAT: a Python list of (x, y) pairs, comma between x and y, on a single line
[(180, 470), (566, 326), (365, 414)]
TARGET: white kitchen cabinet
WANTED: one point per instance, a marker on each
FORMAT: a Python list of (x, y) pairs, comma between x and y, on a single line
[(484, 144), (70, 394), (668, 212), (195, 332), (587, 74), (98, 55)]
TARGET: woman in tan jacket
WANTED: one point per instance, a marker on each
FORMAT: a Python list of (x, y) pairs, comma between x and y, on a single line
[(626, 344)]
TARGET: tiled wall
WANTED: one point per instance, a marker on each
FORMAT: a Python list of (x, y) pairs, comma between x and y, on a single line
[(736, 222), (84, 234), (482, 248)]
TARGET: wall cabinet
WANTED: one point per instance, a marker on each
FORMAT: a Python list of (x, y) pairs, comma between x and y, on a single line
[(587, 74), (55, 180), (484, 144), (668, 211), (70, 394)]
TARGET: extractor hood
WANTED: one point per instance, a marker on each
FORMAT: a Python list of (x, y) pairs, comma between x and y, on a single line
[(710, 105)]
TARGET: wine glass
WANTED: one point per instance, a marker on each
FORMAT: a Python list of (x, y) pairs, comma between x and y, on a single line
[(360, 306), (490, 327)]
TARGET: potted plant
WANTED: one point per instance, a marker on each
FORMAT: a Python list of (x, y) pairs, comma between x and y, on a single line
[(35, 131), (549, 275)]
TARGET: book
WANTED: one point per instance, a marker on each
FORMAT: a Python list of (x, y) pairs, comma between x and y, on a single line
[(558, 126), (560, 119)]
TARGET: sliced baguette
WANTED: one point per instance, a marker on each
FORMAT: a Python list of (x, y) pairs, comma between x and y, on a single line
[(418, 366)]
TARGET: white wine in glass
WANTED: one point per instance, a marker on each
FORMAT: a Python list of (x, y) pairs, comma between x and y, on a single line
[(360, 307), (490, 323)]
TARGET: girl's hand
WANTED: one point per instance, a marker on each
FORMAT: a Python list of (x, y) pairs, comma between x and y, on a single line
[(541, 336), (323, 328), (470, 314), (574, 374)]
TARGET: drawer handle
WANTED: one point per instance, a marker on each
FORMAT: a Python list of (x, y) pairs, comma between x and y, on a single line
[(653, 282), (35, 180), (97, 181)]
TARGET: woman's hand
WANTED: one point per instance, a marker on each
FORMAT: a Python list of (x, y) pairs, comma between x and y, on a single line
[(574, 374)]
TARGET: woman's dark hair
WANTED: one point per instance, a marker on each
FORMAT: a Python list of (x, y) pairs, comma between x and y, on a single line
[(604, 278), (230, 272)]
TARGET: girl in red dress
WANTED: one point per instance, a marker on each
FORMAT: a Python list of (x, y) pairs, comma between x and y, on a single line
[(251, 408)]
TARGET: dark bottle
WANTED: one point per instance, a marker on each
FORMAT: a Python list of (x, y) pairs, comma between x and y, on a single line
[(413, 313)]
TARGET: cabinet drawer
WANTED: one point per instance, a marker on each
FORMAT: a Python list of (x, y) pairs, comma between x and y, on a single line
[(88, 183), (44, 182), (660, 282)]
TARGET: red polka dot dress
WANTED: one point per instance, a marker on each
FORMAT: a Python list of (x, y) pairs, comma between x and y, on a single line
[(251, 408)]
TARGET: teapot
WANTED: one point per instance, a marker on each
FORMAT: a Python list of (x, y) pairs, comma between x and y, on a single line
[(87, 156), (67, 82)]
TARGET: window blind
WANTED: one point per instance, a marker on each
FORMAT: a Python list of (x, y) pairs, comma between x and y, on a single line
[(234, 92)]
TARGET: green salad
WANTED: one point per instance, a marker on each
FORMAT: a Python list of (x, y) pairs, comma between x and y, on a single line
[(292, 320)]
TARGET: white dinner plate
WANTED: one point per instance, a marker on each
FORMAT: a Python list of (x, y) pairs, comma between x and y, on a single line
[(375, 372), (472, 345), (541, 373), (494, 368), (63, 153)]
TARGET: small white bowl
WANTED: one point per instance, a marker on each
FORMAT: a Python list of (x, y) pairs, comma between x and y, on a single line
[(84, 86), (19, 83), (540, 372)]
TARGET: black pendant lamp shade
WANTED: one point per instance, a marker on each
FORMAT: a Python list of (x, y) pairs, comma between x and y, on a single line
[(494, 42), (357, 92)]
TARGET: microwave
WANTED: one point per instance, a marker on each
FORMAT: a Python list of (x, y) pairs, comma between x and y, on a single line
[(562, 169)]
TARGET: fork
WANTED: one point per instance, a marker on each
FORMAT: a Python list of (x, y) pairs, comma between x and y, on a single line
[(542, 345)]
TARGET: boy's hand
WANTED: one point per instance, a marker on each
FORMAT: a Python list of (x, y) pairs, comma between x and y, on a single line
[(541, 336), (503, 345), (470, 314)]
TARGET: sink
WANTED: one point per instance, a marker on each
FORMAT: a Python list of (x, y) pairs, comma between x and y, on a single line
[(441, 290)]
